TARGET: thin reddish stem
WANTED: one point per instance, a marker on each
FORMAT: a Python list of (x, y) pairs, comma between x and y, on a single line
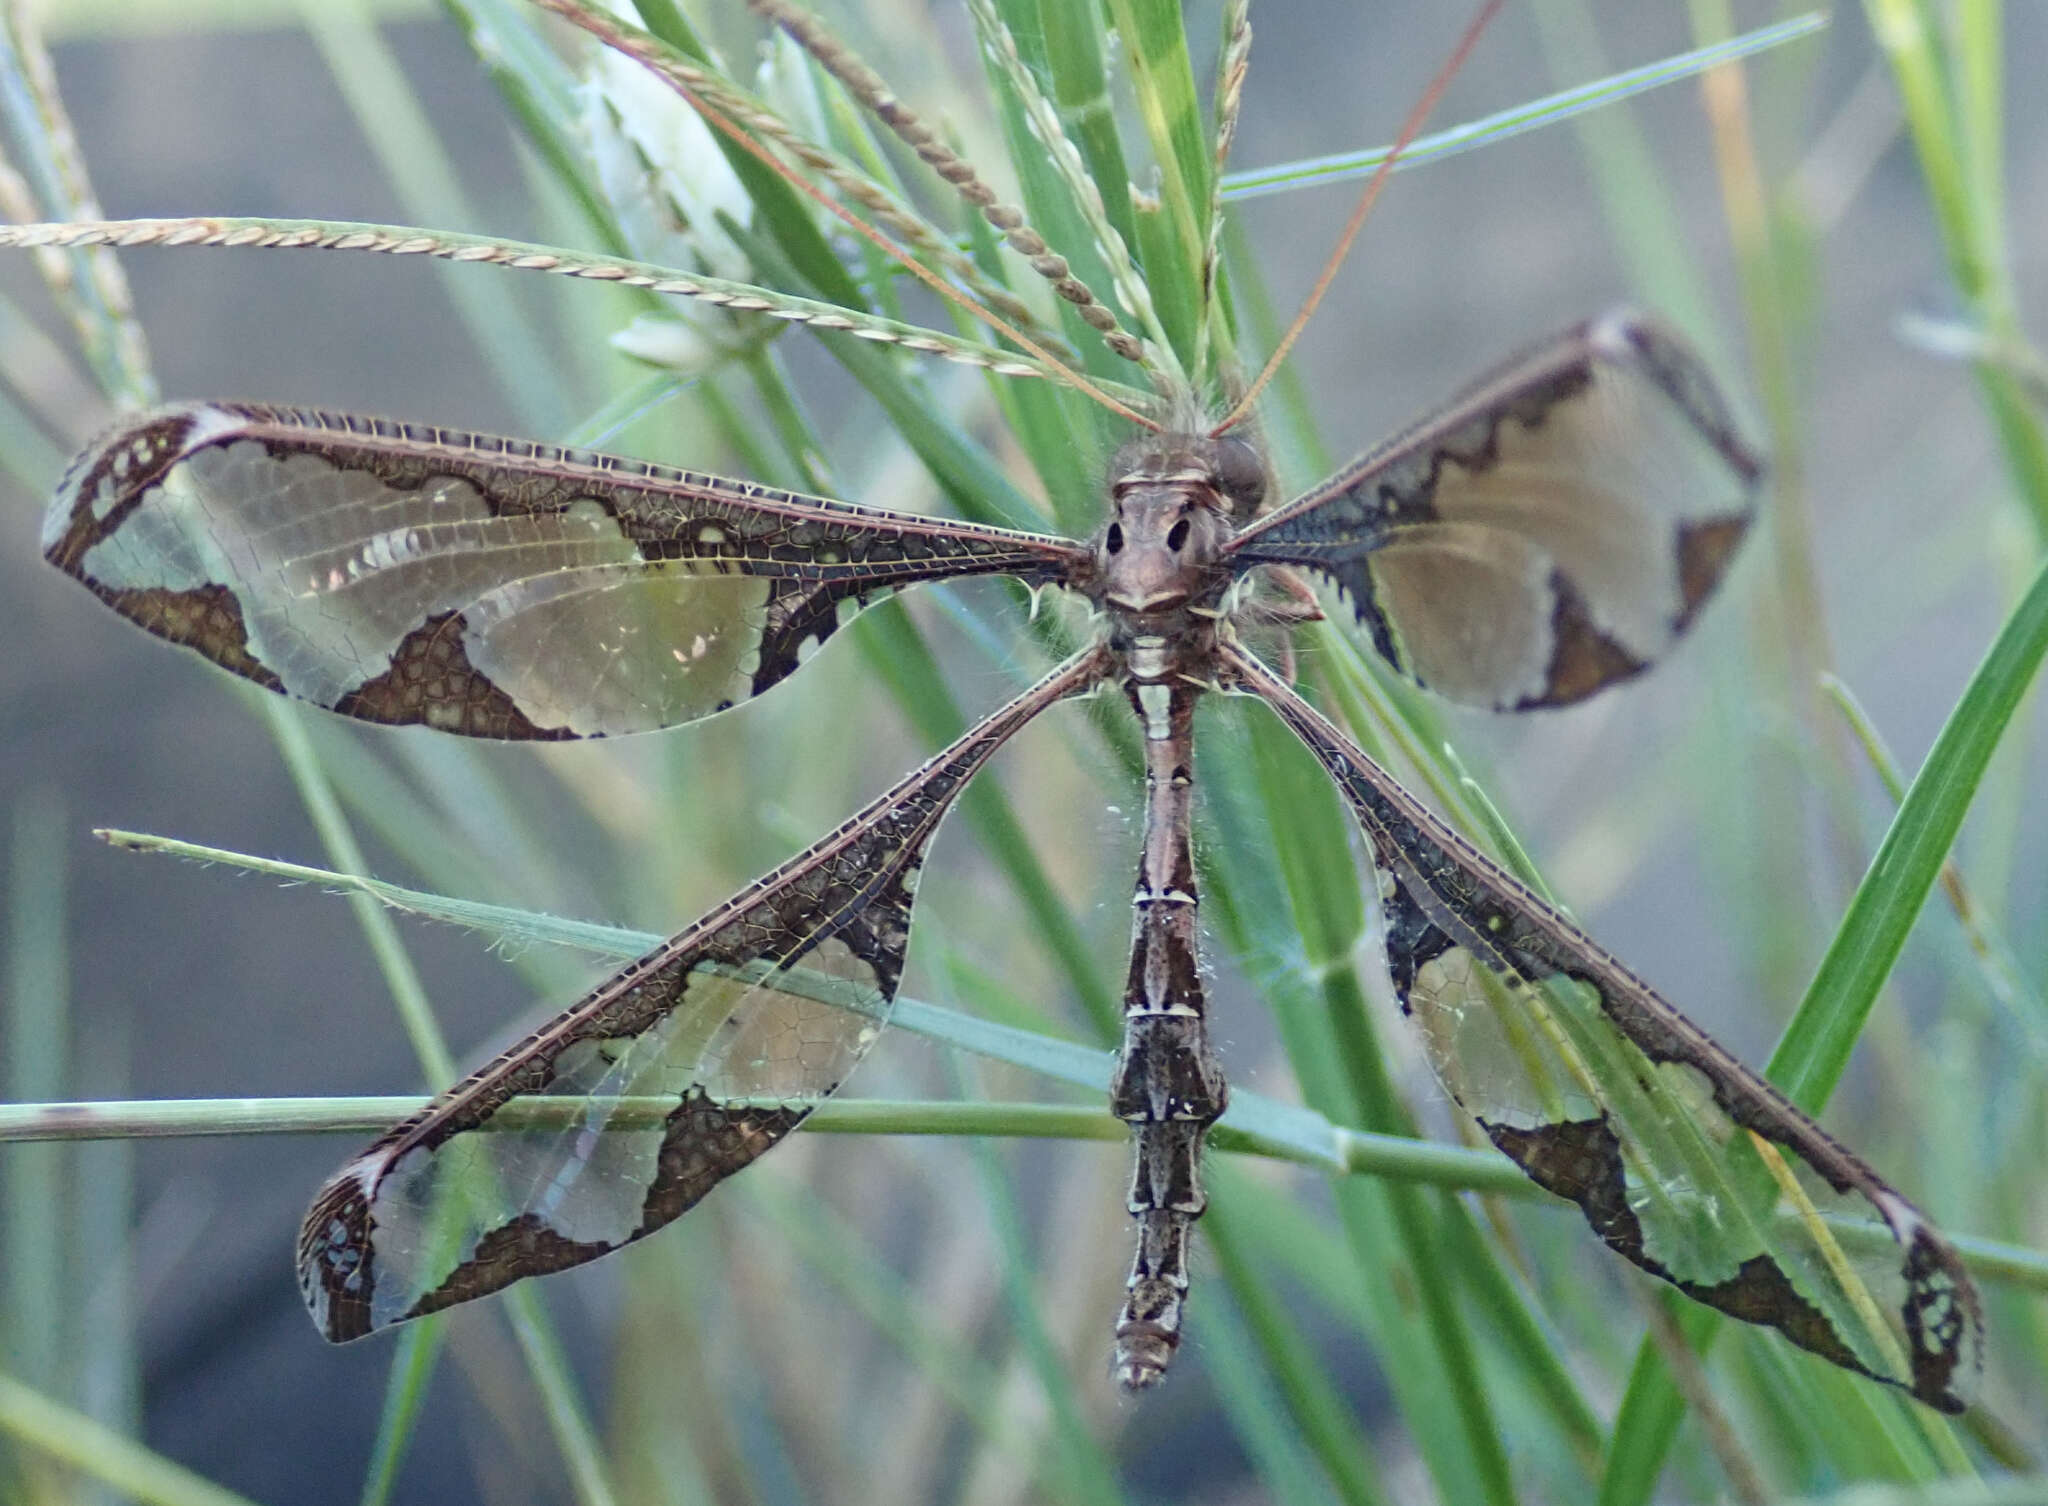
[(1409, 129)]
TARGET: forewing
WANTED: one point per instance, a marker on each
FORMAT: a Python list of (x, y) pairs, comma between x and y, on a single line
[(1550, 532), (667, 1078), (1606, 1095), (398, 573)]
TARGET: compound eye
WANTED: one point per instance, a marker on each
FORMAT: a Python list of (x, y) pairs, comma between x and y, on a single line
[(1240, 473)]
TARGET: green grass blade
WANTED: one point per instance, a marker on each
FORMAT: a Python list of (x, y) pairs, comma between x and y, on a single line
[(2008, 1490), (1172, 240), (1305, 1387), (1269, 1428), (896, 651), (1264, 1130), (1081, 192), (1955, 132), (1815, 1047), (1810, 1057), (408, 993), (1090, 1474), (567, 1418), (102, 1261), (36, 1026), (574, 1435), (2004, 978), (413, 1357), (1418, 1228), (540, 90), (99, 1453), (1047, 197), (94, 291), (1503, 125), (1634, 197), (1080, 85), (1508, 1319), (839, 1255), (26, 452)]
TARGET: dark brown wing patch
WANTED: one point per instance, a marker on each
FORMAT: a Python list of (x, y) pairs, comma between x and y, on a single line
[(1551, 532), (404, 574), (1606, 1095), (684, 1067)]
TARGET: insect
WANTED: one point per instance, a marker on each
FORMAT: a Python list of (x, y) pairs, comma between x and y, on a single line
[(1550, 533)]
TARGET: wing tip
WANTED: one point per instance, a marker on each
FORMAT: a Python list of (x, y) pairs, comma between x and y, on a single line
[(1628, 335), (337, 1262), (121, 464), (1943, 1315)]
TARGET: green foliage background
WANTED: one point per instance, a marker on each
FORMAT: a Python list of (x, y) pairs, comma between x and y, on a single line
[(921, 1315)]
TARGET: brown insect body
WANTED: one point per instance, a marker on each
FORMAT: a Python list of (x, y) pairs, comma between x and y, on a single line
[(1174, 502)]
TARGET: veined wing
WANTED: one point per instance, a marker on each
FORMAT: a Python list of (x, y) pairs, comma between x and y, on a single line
[(1606, 1095), (662, 1082), (399, 573), (1550, 532)]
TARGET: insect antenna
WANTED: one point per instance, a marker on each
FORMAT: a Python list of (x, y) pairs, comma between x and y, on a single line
[(655, 55), (1409, 129)]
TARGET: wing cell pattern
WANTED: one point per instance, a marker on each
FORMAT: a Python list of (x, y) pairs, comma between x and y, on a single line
[(1551, 532), (403, 574), (1605, 1094), (684, 1067)]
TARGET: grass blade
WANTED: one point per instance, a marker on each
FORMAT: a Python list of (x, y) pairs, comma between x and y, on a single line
[(412, 1367), (37, 1028), (100, 1453), (1814, 1049), (1503, 125)]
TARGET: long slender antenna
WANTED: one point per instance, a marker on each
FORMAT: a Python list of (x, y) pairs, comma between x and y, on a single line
[(649, 51), (1409, 130)]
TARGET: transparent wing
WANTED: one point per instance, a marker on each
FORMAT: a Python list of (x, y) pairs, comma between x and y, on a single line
[(397, 573), (1606, 1095), (667, 1078), (1552, 531)]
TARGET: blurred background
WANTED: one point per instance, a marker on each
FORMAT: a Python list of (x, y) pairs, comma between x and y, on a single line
[(1707, 823)]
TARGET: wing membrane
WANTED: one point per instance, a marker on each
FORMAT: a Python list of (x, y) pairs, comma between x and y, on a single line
[(398, 573), (1551, 532), (1606, 1095), (627, 1109)]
